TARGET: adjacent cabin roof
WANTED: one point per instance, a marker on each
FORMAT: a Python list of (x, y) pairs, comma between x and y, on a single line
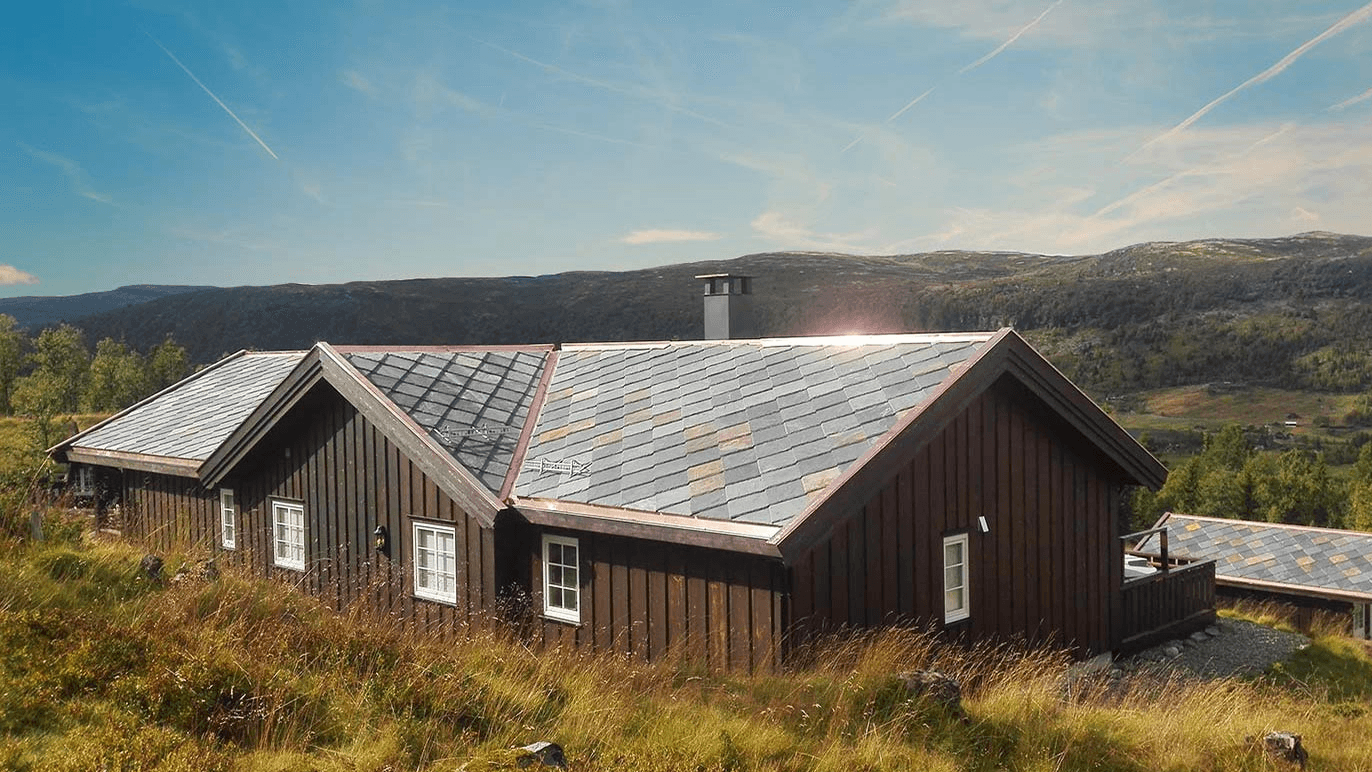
[(739, 430), (182, 425), (1302, 560), (473, 403)]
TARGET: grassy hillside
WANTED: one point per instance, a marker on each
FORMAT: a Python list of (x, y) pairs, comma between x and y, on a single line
[(1291, 313), (101, 669)]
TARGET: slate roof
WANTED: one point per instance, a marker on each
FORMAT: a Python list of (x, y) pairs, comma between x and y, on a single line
[(474, 403), (1313, 558), (192, 418), (740, 430)]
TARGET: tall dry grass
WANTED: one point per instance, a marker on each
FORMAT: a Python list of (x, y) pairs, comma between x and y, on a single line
[(101, 669)]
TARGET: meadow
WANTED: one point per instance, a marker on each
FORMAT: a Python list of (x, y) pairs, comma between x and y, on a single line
[(101, 668)]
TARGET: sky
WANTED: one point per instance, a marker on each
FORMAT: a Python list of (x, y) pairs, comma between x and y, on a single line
[(254, 143)]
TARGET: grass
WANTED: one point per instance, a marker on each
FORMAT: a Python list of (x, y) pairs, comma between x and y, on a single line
[(101, 669), (1187, 407)]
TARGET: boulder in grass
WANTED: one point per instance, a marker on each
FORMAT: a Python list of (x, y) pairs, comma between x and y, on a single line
[(544, 754), (1284, 746), (151, 567), (937, 687)]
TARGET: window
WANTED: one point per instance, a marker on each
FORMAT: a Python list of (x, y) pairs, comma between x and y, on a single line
[(561, 579), (83, 480), (435, 562), (288, 535), (228, 519), (955, 598)]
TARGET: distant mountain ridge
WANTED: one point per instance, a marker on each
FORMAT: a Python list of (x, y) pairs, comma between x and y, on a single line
[(1293, 311), (34, 312)]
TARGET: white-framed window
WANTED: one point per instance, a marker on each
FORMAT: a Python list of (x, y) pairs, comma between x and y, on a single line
[(228, 519), (956, 600), (288, 535), (561, 579), (83, 480), (435, 562)]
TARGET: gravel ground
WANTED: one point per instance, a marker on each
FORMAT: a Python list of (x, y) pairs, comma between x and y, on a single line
[(1229, 647)]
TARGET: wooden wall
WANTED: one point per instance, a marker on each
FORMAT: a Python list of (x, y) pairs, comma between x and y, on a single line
[(164, 511), (350, 479), (653, 600), (1048, 568)]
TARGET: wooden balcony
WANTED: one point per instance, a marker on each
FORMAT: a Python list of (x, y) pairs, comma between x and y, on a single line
[(1175, 601)]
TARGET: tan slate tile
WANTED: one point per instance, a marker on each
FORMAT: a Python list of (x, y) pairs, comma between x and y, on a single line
[(707, 469)]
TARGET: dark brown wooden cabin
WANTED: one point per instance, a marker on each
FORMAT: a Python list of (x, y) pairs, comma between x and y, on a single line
[(719, 500)]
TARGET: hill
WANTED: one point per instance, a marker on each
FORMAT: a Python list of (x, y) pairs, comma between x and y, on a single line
[(1289, 312), (34, 312)]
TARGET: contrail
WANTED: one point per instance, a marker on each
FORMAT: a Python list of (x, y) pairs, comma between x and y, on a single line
[(1363, 97), (637, 92), (1013, 38), (863, 135), (983, 60), (1356, 17), (216, 99), (911, 103)]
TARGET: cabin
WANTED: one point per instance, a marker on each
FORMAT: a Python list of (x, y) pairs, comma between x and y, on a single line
[(1312, 570), (724, 500)]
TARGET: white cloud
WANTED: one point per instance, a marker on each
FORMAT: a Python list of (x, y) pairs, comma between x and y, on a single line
[(75, 175), (662, 235), (10, 275), (358, 82), (1250, 180), (788, 233)]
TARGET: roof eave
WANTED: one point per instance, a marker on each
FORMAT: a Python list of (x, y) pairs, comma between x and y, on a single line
[(142, 462), (749, 538)]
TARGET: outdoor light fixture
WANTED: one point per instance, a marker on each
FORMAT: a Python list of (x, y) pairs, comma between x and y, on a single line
[(981, 521), (380, 539)]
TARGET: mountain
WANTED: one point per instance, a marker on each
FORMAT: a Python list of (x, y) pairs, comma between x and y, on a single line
[(35, 312), (1294, 311)]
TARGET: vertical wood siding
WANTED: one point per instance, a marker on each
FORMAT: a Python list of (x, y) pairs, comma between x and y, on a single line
[(350, 478), (653, 600), (1048, 568), (167, 512)]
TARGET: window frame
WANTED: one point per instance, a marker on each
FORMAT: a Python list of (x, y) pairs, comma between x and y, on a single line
[(425, 592), (964, 610), (279, 506), (83, 480), (228, 519), (561, 613)]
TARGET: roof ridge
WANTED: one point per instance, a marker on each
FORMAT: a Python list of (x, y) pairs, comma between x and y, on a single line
[(802, 340), (1266, 524)]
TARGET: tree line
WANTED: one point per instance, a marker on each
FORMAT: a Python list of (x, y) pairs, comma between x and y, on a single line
[(1230, 478), (54, 373)]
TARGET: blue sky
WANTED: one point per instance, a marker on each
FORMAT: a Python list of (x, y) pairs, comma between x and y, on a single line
[(269, 142)]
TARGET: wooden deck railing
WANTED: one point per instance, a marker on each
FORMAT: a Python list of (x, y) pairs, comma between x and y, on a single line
[(1171, 603)]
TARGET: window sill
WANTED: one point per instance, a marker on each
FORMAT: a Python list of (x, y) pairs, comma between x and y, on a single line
[(447, 601), (566, 619)]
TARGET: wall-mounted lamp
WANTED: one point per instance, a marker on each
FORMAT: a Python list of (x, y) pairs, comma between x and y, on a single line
[(380, 538), (981, 521)]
